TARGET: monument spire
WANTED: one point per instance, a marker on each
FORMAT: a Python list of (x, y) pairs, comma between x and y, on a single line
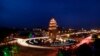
[(52, 28)]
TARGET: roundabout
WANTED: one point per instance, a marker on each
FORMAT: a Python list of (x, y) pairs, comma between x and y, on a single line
[(45, 42)]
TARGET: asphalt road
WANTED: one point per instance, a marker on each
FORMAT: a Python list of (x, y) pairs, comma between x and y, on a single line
[(26, 51)]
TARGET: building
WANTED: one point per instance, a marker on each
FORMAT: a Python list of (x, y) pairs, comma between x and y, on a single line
[(52, 28)]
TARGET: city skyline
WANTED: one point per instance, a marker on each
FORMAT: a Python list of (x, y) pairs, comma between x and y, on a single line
[(35, 13)]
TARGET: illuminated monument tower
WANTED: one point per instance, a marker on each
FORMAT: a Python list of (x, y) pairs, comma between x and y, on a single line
[(52, 28)]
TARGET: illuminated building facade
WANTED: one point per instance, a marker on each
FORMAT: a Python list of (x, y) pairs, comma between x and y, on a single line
[(52, 28)]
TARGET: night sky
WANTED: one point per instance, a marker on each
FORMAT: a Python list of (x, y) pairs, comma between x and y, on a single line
[(34, 13)]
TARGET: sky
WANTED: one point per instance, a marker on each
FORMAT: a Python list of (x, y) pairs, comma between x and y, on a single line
[(34, 13)]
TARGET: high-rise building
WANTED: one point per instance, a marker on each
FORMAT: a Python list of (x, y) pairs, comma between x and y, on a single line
[(52, 28)]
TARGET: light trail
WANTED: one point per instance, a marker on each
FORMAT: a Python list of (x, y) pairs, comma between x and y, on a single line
[(23, 42), (86, 40)]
